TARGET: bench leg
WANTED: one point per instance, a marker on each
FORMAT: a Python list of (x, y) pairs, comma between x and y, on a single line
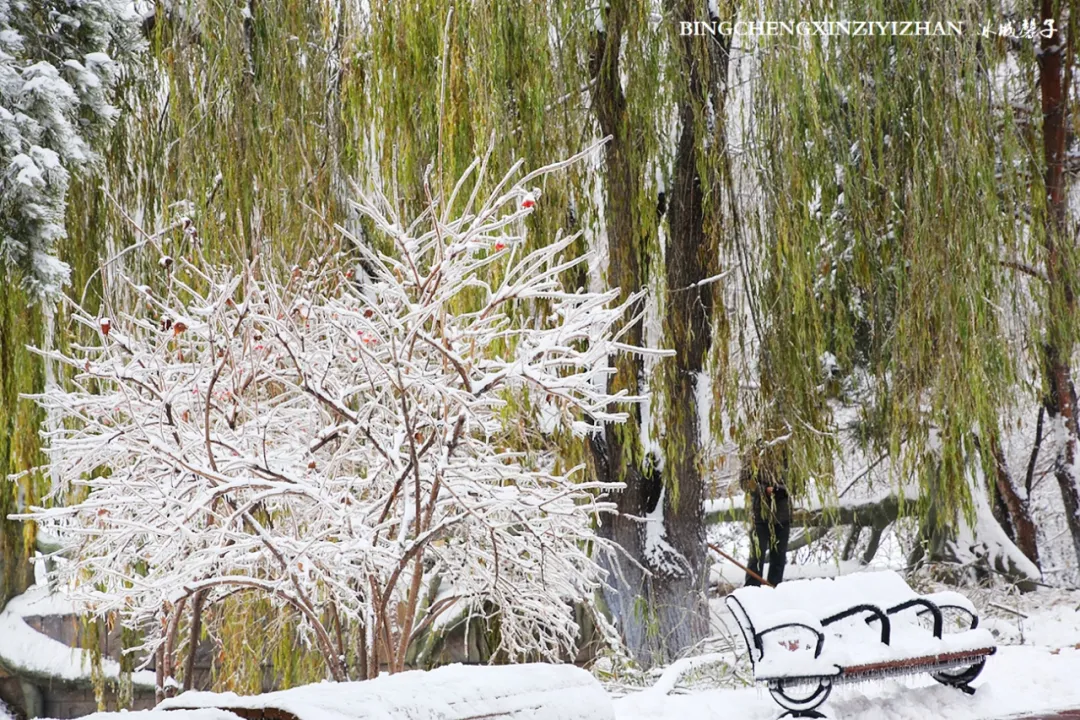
[(801, 704), (803, 714), (961, 678)]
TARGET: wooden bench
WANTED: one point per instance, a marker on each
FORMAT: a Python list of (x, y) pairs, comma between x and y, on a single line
[(805, 636)]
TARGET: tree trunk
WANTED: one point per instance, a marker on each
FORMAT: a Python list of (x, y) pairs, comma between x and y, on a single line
[(617, 455), (1059, 403), (656, 589), (934, 542), (159, 674), (871, 513), (193, 642), (20, 372), (873, 544), (169, 655), (690, 258), (851, 543), (1017, 521)]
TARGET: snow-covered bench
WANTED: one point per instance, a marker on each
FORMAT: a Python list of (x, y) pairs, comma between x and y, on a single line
[(806, 636)]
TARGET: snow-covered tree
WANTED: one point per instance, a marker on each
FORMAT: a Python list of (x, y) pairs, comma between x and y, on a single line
[(56, 74), (342, 439)]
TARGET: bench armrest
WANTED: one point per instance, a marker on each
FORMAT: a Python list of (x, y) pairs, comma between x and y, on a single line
[(929, 606), (950, 600), (746, 626), (767, 623), (875, 614)]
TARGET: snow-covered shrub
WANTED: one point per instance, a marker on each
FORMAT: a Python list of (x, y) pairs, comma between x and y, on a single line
[(56, 75), (336, 439)]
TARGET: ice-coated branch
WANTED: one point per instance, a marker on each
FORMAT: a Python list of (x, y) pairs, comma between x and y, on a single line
[(342, 446)]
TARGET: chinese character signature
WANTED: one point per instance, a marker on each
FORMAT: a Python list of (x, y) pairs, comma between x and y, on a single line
[(1028, 29)]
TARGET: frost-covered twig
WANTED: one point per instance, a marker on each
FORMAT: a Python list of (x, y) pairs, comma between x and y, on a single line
[(337, 446)]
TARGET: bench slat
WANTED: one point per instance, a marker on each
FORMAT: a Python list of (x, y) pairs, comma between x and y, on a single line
[(919, 664)]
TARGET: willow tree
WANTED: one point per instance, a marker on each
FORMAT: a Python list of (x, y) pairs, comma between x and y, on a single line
[(59, 64), (657, 590), (1056, 59), (896, 182)]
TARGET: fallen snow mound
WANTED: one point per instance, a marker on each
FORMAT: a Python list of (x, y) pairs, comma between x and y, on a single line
[(202, 714), (455, 692), (29, 653)]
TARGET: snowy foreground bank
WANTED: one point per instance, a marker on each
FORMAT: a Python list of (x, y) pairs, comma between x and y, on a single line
[(1034, 670), (1018, 680)]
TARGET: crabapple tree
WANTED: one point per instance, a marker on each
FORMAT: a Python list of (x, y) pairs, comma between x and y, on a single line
[(336, 437)]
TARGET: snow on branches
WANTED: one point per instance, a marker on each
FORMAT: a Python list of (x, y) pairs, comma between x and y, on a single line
[(55, 81), (337, 439)]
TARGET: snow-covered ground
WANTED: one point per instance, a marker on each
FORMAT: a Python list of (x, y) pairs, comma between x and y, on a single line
[(456, 692), (1016, 680), (1034, 670)]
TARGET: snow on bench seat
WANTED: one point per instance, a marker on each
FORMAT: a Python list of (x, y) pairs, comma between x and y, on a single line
[(454, 692)]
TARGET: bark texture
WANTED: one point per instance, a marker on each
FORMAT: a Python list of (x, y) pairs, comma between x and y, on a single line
[(617, 455), (656, 592), (1055, 59), (19, 421), (683, 607), (1016, 513)]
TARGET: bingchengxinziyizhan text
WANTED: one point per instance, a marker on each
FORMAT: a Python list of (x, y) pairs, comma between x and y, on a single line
[(1030, 28)]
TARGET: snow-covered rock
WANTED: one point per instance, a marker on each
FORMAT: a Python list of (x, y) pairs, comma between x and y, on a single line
[(454, 692), (32, 654)]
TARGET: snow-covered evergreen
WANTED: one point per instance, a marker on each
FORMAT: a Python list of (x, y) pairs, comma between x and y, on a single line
[(58, 66)]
